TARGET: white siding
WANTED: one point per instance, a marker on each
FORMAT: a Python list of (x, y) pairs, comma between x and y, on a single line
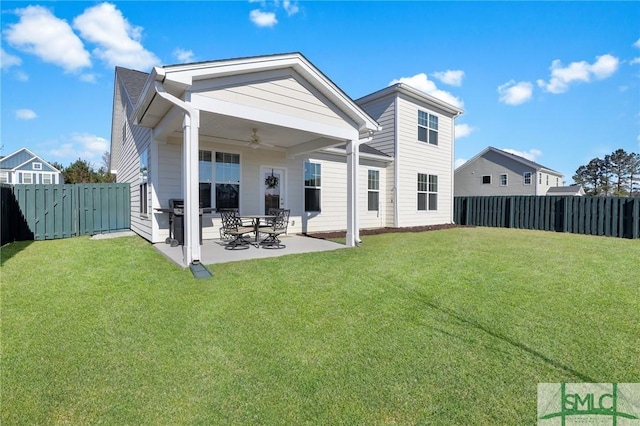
[(419, 157), (383, 111), (287, 96)]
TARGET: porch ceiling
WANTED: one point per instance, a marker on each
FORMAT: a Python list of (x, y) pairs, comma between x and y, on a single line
[(233, 130)]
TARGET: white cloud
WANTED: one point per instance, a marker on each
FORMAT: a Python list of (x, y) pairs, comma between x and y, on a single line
[(531, 155), (290, 7), (637, 44), (40, 33), (21, 76), (82, 145), (463, 130), (635, 61), (7, 60), (183, 55), (452, 77), (25, 114), (263, 19), (512, 93), (88, 78), (118, 41), (561, 77), (422, 83)]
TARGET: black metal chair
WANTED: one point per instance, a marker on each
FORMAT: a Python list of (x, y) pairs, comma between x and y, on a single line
[(233, 229), (275, 229)]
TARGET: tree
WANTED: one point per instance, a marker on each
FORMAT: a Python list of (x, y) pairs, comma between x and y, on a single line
[(618, 174)]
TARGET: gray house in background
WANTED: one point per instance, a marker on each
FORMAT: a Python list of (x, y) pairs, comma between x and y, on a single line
[(497, 172), (23, 166)]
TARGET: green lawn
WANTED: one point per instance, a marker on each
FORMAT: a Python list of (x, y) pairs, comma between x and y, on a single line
[(446, 327)]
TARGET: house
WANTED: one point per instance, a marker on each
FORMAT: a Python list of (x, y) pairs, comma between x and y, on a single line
[(572, 190), (23, 166), (497, 172), (274, 131)]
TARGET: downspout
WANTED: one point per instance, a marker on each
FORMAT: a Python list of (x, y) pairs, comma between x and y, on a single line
[(191, 124), (453, 167)]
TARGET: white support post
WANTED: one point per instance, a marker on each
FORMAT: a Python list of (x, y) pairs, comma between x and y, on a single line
[(353, 224), (191, 248)]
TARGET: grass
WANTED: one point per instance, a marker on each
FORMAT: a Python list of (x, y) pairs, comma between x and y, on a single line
[(447, 327)]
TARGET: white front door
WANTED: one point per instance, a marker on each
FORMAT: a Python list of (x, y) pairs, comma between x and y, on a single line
[(273, 183)]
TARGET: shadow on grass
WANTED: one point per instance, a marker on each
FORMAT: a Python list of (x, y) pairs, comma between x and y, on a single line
[(9, 250), (522, 347)]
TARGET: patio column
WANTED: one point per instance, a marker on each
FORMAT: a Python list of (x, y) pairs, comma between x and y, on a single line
[(353, 228), (190, 182)]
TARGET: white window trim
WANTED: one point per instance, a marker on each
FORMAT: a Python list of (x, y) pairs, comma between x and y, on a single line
[(305, 186), (490, 179), (31, 177), (46, 175), (36, 166), (4, 177), (214, 182), (427, 193), (373, 190), (506, 179), (428, 128), (524, 178)]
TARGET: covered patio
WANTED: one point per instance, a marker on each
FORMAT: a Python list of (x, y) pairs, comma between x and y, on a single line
[(253, 117), (215, 251)]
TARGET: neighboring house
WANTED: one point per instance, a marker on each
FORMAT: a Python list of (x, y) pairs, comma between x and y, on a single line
[(574, 190), (23, 166), (497, 172), (213, 134)]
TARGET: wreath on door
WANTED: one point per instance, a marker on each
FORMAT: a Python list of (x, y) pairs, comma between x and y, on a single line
[(271, 181)]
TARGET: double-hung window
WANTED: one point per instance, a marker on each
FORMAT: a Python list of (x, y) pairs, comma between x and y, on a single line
[(503, 179), (427, 192), (373, 190), (527, 178), (427, 128), (27, 177), (227, 180), (205, 175), (4, 177), (46, 178), (312, 187)]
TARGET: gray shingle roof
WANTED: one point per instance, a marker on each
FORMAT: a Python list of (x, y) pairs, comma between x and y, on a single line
[(533, 164), (133, 82)]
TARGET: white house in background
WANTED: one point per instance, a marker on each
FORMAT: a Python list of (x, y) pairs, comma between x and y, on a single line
[(211, 133), (25, 167), (497, 172)]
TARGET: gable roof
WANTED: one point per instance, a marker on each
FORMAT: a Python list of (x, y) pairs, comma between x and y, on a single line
[(402, 88), (20, 157), (181, 76), (522, 160)]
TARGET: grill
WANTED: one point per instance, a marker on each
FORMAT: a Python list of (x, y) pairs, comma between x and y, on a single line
[(176, 221)]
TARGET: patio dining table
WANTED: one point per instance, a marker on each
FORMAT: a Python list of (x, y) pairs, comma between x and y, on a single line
[(256, 218)]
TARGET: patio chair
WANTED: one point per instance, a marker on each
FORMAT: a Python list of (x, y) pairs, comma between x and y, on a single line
[(277, 228), (233, 229)]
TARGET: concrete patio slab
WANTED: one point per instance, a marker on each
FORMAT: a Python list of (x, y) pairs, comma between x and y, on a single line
[(215, 251)]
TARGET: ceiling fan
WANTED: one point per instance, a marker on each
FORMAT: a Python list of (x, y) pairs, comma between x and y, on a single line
[(256, 142)]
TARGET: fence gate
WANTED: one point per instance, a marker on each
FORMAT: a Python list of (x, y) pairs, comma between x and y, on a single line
[(45, 212)]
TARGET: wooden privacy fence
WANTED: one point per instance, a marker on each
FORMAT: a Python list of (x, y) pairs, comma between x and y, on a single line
[(609, 216), (45, 212)]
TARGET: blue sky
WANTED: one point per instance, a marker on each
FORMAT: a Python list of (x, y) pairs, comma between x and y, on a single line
[(557, 82)]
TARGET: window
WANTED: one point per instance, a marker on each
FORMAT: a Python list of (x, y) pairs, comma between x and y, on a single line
[(503, 180), (527, 178), (486, 180), (36, 166), (205, 173), (547, 180), (539, 178), (427, 192), (312, 185), (427, 128), (143, 178), (373, 193), (4, 177), (557, 181), (47, 178), (27, 177), (227, 178)]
